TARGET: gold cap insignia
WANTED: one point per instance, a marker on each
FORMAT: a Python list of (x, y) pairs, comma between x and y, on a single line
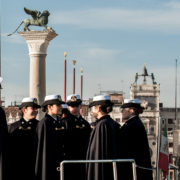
[(73, 98), (59, 98), (35, 100)]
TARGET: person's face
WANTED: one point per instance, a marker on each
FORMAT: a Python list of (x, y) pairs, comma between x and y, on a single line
[(74, 110), (55, 109), (95, 111), (29, 112), (126, 113)]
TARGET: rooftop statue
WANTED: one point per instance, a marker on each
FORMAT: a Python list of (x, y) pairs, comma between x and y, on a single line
[(38, 19)]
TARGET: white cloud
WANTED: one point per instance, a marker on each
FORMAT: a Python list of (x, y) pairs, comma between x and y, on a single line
[(109, 18)]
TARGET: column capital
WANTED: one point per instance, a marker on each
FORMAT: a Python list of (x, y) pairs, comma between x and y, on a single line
[(38, 41)]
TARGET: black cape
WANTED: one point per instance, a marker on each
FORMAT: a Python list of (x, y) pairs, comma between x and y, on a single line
[(3, 141), (133, 144), (21, 149), (102, 145), (51, 148), (78, 132)]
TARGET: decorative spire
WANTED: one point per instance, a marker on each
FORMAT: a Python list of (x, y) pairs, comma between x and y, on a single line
[(145, 73)]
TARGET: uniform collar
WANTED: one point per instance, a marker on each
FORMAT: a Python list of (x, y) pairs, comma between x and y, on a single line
[(132, 117), (26, 119), (53, 117), (103, 117)]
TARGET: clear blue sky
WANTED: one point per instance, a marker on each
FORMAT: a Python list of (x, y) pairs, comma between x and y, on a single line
[(110, 39)]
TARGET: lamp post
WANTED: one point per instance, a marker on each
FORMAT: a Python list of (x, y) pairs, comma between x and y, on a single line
[(74, 71)]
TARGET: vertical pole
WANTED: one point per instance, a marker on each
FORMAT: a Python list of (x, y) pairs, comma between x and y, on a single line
[(134, 171), (65, 54), (168, 177), (176, 174), (158, 148), (81, 83), (175, 115), (115, 170), (74, 78), (0, 63), (61, 171)]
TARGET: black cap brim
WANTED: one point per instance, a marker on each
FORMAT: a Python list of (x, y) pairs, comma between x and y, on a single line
[(131, 105), (29, 104), (102, 102), (54, 101), (74, 103)]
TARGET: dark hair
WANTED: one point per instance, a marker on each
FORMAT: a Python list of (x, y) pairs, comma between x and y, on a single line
[(21, 114), (106, 108), (44, 108), (137, 111)]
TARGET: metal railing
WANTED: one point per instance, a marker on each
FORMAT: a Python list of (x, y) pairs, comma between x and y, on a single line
[(113, 161), (175, 168)]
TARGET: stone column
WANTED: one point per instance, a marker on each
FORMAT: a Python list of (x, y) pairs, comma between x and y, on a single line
[(38, 42)]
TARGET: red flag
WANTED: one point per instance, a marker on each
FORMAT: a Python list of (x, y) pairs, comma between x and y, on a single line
[(164, 153)]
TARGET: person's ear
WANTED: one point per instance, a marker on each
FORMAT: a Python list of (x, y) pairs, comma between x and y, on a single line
[(131, 111), (98, 108), (48, 107), (23, 109)]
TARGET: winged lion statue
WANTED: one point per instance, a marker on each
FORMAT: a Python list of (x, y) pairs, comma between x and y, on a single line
[(38, 19)]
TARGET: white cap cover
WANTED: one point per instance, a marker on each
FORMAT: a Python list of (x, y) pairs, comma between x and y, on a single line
[(136, 101)]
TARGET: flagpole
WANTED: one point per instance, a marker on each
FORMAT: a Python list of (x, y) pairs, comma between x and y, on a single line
[(74, 79), (81, 84), (65, 80), (168, 173), (176, 94), (158, 148)]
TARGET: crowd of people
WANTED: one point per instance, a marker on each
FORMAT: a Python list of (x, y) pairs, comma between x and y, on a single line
[(32, 149)]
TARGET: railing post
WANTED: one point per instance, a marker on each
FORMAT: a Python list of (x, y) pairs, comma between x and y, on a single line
[(176, 174), (61, 171), (134, 170), (115, 170)]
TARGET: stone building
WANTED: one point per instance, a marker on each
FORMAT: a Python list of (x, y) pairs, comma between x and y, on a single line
[(12, 114), (171, 116), (167, 115)]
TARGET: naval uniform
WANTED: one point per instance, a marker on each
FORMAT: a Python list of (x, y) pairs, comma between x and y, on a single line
[(78, 132), (51, 150), (21, 149), (102, 145), (133, 144)]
